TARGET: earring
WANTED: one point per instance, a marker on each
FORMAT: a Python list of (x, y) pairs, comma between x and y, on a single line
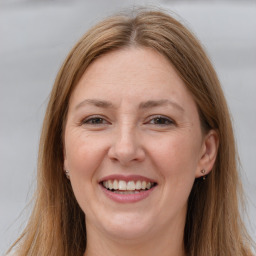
[(67, 174), (203, 172)]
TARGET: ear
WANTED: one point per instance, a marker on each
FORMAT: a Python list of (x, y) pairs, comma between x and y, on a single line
[(65, 164), (208, 153)]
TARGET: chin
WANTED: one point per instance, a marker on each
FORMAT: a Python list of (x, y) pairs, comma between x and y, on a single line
[(128, 227)]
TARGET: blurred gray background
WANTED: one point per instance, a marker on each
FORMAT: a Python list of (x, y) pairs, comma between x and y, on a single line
[(35, 37)]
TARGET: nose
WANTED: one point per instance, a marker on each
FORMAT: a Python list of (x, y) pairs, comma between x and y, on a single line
[(126, 147)]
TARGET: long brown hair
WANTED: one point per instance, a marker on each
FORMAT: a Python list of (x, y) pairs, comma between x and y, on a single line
[(213, 224)]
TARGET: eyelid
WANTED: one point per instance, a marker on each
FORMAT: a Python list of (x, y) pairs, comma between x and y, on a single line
[(172, 122), (85, 120)]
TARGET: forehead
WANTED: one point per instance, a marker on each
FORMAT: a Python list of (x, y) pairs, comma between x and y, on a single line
[(133, 74)]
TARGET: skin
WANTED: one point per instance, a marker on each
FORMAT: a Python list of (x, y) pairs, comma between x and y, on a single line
[(163, 142)]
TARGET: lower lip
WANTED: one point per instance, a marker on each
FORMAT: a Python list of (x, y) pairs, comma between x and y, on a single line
[(127, 198)]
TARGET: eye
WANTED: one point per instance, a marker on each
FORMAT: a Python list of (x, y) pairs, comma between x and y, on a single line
[(94, 120), (161, 121)]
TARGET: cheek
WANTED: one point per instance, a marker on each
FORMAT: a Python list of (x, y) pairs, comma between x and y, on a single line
[(176, 161), (177, 153), (83, 157), (83, 154)]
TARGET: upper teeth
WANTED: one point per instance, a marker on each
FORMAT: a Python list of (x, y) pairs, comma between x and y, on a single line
[(130, 185)]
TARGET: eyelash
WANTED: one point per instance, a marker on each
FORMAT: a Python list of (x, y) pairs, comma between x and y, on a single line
[(99, 120), (167, 120), (90, 120)]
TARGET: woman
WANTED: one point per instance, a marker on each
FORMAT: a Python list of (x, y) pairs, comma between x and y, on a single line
[(137, 153)]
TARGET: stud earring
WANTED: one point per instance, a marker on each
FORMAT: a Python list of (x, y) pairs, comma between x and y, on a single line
[(203, 172), (67, 173)]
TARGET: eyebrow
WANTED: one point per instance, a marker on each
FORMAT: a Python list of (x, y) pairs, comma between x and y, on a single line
[(143, 105), (95, 102), (159, 103)]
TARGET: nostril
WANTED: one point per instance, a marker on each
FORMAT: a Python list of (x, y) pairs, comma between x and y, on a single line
[(125, 155)]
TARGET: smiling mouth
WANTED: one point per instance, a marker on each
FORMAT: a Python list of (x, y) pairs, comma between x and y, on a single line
[(129, 187)]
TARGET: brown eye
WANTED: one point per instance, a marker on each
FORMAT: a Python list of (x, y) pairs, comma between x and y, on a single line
[(159, 120), (94, 121)]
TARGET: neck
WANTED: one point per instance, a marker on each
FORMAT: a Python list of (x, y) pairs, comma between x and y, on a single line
[(164, 244)]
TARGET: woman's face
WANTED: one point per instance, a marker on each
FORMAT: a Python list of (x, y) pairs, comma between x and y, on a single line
[(133, 145)]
